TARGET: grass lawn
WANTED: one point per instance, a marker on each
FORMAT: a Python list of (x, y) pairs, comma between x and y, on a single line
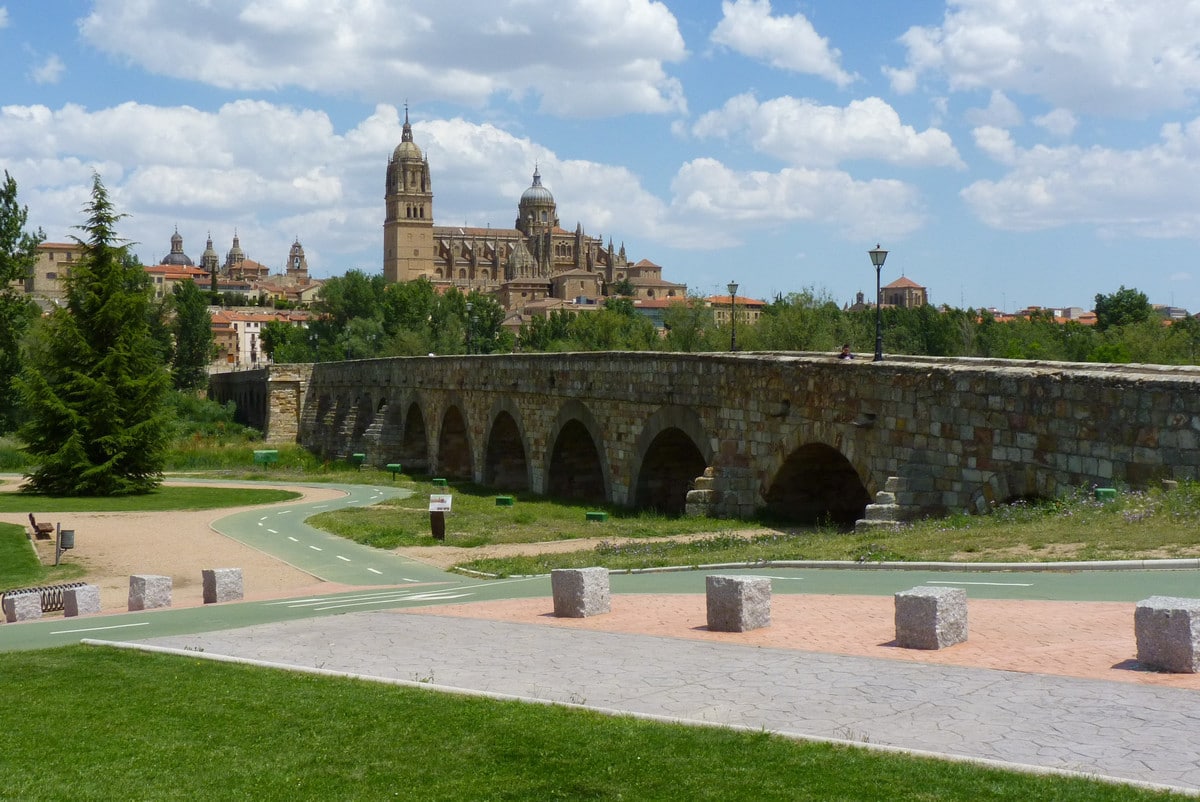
[(475, 519), (1136, 525), (110, 724), (19, 566), (163, 499)]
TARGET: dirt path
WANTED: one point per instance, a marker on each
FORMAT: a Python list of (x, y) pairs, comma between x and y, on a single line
[(111, 546)]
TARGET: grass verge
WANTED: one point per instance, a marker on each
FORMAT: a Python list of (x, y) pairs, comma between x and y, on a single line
[(164, 498), (476, 520), (162, 727), (19, 566), (1155, 524)]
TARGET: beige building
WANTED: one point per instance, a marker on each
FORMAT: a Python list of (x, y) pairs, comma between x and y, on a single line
[(535, 260)]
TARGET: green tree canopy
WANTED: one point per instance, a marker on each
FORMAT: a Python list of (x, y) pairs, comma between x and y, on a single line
[(18, 254), (94, 390), (1121, 308), (191, 329)]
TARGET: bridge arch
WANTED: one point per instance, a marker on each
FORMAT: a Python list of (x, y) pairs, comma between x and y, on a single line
[(505, 466), (454, 454), (672, 450), (816, 484), (575, 465), (414, 441)]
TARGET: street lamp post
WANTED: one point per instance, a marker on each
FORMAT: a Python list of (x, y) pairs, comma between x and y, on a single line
[(877, 255), (470, 306), (732, 287)]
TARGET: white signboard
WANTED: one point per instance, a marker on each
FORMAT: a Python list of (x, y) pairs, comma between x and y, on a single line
[(440, 502)]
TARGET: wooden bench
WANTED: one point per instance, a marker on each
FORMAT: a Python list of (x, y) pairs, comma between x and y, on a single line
[(40, 531)]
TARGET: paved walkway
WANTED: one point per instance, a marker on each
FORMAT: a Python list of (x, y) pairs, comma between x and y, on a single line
[(1125, 731)]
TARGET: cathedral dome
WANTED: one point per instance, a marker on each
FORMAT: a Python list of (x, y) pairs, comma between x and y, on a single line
[(536, 193), (177, 257), (407, 149)]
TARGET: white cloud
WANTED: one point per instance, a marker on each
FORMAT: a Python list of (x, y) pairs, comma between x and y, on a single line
[(1060, 123), (786, 42), (1000, 112), (741, 201), (1119, 57), (49, 71), (801, 132), (3, 17), (587, 58), (1148, 192)]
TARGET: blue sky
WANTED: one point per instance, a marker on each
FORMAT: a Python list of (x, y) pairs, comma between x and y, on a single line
[(1006, 154)]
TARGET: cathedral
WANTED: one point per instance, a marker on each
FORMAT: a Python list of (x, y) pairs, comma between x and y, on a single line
[(531, 263)]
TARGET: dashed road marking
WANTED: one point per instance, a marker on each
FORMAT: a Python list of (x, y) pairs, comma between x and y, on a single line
[(345, 559), (316, 548), (375, 571), (98, 629), (294, 540)]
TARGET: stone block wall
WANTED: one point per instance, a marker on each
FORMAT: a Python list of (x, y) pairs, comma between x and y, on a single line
[(962, 434)]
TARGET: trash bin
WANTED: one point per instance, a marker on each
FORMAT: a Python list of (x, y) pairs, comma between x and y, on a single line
[(66, 539)]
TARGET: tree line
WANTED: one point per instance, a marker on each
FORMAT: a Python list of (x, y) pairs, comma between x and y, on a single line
[(360, 315)]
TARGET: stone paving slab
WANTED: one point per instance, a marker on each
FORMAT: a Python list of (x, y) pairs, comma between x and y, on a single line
[(1120, 730)]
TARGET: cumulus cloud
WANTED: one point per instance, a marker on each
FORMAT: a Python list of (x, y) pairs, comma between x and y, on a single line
[(49, 71), (1060, 123), (1000, 112), (298, 175), (744, 200), (802, 132), (580, 58), (786, 42), (1120, 57), (1147, 192)]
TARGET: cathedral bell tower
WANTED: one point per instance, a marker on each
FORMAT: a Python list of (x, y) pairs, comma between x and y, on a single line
[(408, 219)]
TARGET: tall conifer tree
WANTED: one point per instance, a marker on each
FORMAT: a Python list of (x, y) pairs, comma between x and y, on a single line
[(18, 254), (95, 392)]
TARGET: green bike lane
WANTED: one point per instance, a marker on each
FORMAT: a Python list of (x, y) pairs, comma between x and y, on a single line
[(385, 580)]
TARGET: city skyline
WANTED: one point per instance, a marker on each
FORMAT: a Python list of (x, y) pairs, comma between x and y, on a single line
[(1007, 155)]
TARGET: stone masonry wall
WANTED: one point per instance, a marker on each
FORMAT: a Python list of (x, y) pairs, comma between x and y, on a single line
[(963, 433)]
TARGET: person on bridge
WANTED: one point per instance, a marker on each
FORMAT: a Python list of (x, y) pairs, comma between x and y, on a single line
[(846, 352)]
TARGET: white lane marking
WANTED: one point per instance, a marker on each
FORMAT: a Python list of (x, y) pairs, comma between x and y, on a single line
[(346, 559), (419, 597), (374, 571), (320, 506), (996, 584), (273, 531), (354, 501), (406, 579), (263, 518), (284, 512), (365, 598), (316, 548), (294, 540), (98, 629), (294, 601), (768, 576)]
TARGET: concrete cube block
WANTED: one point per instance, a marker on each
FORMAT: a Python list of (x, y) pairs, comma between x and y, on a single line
[(580, 592), (931, 617), (149, 591), (81, 601), (22, 607), (221, 584), (738, 603), (1168, 634)]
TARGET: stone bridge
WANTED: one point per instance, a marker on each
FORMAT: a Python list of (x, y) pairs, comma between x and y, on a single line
[(801, 437)]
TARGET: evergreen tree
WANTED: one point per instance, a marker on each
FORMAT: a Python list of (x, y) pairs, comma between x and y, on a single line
[(94, 391), (192, 332), (18, 253)]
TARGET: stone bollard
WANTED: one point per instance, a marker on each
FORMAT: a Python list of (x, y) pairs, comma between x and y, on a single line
[(738, 603), (221, 584), (930, 617), (580, 592), (1168, 634), (81, 601), (22, 607), (148, 591)]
